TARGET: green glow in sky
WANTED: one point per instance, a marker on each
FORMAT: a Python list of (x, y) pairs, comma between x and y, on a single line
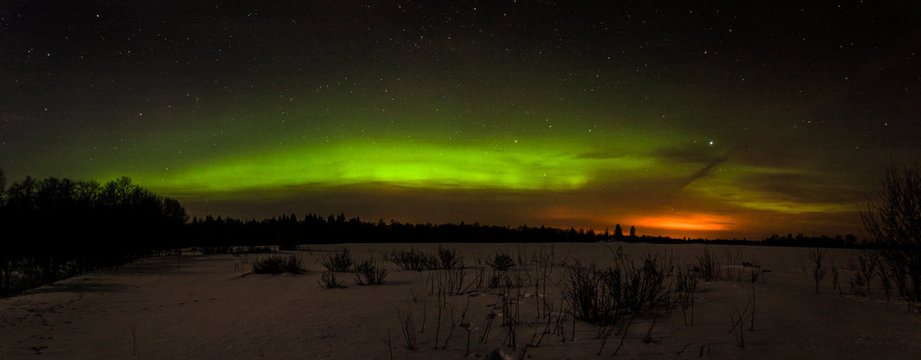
[(510, 165)]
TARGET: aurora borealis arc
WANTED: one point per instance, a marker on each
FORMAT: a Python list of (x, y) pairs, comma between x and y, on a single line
[(400, 162), (727, 120)]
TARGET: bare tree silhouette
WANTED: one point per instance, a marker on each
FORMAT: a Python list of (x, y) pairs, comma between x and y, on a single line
[(893, 224)]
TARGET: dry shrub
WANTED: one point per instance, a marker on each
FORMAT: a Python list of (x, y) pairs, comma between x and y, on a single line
[(278, 265), (339, 261), (370, 272), (412, 259)]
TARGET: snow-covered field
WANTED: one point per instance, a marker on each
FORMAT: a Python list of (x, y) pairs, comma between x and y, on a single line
[(197, 306)]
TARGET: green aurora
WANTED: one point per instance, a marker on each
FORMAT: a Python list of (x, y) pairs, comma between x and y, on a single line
[(419, 164)]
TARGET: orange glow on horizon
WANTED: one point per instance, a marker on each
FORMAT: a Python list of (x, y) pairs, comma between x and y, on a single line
[(691, 225), (697, 222)]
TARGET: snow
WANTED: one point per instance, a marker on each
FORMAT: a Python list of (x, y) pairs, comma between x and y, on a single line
[(197, 306)]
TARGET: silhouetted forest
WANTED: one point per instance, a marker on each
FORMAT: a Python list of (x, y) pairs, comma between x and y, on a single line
[(823, 241), (220, 234), (54, 228), (287, 231)]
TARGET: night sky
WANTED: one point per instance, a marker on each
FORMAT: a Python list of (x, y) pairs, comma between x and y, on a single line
[(737, 119)]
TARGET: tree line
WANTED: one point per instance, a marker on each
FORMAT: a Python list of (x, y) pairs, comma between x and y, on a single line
[(218, 234), (53, 228)]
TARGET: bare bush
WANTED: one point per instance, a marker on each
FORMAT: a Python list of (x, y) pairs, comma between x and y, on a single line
[(412, 259), (339, 261), (328, 280), (816, 258), (449, 259), (501, 261), (583, 295), (893, 225), (370, 272), (858, 284), (708, 266), (867, 263), (685, 286), (278, 265), (604, 296)]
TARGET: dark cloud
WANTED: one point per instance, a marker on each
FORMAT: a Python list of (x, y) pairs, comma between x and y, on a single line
[(804, 188), (698, 153)]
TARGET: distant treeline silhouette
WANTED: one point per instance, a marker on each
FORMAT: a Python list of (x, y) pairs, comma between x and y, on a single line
[(213, 235), (54, 228), (220, 234), (823, 241)]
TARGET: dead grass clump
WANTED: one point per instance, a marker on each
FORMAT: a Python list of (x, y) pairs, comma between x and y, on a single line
[(413, 259), (328, 280), (685, 286), (449, 259), (583, 294), (501, 261), (278, 265), (370, 272), (708, 266), (605, 296), (339, 261), (643, 288)]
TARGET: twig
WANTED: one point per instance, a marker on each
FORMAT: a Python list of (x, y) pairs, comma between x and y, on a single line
[(623, 336)]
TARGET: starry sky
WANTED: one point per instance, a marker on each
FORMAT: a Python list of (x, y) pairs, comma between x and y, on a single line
[(726, 120)]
